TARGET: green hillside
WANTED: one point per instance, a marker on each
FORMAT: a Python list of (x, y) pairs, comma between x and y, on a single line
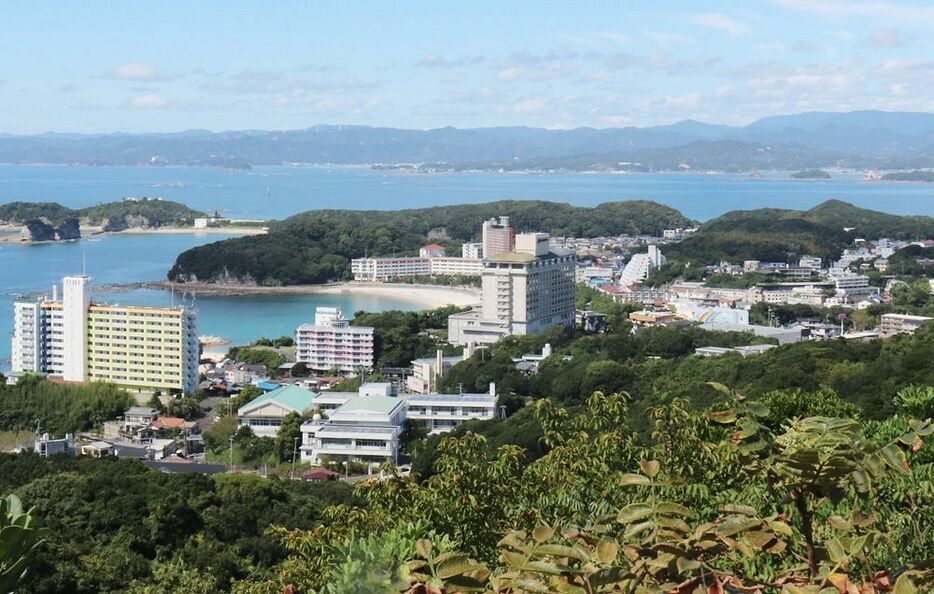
[(317, 246), (782, 234)]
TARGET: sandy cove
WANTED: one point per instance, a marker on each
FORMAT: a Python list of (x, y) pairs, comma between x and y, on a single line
[(428, 296)]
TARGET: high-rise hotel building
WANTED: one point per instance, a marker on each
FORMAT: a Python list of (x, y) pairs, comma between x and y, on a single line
[(143, 348), (331, 343), (524, 291)]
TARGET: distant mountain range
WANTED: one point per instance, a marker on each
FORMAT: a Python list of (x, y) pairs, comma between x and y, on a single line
[(861, 139)]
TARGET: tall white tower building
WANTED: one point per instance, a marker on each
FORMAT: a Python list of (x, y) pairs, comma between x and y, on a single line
[(76, 299)]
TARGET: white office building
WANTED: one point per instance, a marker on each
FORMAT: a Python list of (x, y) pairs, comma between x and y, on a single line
[(472, 250), (364, 429), (441, 413), (640, 265), (525, 291), (332, 343)]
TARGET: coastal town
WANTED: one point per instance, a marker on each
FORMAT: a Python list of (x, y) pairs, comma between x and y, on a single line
[(524, 283)]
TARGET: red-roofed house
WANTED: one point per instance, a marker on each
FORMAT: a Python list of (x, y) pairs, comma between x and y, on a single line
[(432, 250), (315, 475)]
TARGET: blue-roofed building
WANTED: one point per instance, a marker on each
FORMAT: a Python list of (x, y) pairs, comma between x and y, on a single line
[(264, 414), (268, 386)]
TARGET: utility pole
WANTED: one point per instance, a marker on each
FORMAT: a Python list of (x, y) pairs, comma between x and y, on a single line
[(294, 450), (230, 454)]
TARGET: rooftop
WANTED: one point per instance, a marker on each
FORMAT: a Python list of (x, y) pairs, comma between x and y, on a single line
[(370, 404), (293, 397)]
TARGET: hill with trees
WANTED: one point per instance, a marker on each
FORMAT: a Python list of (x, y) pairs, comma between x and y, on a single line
[(129, 212), (317, 246), (784, 235)]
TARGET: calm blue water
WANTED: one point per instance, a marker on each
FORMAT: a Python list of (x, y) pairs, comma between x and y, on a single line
[(277, 192), (30, 269)]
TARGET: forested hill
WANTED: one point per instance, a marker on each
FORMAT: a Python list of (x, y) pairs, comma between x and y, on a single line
[(134, 212), (783, 235), (317, 246)]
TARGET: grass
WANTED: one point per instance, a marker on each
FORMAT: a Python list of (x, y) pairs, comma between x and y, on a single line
[(11, 439)]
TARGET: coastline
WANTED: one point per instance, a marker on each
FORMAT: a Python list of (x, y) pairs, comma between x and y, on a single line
[(429, 296), (11, 233)]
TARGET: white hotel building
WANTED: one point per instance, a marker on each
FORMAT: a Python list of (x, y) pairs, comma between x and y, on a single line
[(525, 291), (332, 343), (387, 269)]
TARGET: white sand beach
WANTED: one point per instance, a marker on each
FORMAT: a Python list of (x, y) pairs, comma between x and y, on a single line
[(428, 296)]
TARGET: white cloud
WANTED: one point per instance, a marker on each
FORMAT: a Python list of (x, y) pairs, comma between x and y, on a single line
[(875, 9), (439, 61), (137, 71), (148, 101), (886, 37), (720, 22)]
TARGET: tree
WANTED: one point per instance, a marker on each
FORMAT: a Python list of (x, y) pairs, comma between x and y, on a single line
[(18, 537), (289, 433)]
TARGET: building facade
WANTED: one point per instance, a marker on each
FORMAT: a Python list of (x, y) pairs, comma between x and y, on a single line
[(441, 413), (893, 323), (332, 343), (498, 237), (143, 348), (387, 269)]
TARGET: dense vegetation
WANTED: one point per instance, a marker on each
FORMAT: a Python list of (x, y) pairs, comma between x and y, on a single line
[(149, 212), (401, 336), (59, 408), (772, 234), (917, 175), (810, 174), (317, 246), (115, 526)]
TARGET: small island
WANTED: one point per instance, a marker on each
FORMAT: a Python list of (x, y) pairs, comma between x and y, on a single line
[(810, 174), (918, 175), (51, 221)]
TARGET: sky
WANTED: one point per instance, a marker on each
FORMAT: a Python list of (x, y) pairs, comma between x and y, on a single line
[(95, 66)]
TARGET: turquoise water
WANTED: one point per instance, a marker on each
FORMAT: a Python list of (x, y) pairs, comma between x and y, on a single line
[(277, 192), (117, 259)]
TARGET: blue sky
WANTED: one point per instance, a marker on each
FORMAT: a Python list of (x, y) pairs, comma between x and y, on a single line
[(170, 66)]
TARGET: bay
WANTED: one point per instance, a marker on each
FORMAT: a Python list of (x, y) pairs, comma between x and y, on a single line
[(120, 259), (277, 192)]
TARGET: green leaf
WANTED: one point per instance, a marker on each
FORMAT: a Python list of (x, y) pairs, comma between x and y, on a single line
[(635, 479), (726, 417), (904, 585), (720, 388), (638, 529), (757, 409), (607, 552), (633, 513), (557, 550), (674, 509), (543, 533), (736, 524), (454, 565), (835, 550), (423, 548), (895, 457), (649, 467)]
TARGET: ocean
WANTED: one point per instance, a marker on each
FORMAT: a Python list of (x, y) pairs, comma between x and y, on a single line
[(277, 192)]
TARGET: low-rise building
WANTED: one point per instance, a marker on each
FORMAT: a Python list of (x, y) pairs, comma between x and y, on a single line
[(45, 446), (264, 414), (427, 371), (444, 412), (893, 323), (364, 429)]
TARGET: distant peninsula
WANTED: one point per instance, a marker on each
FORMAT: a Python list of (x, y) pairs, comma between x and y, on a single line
[(810, 174), (50, 221), (917, 175)]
